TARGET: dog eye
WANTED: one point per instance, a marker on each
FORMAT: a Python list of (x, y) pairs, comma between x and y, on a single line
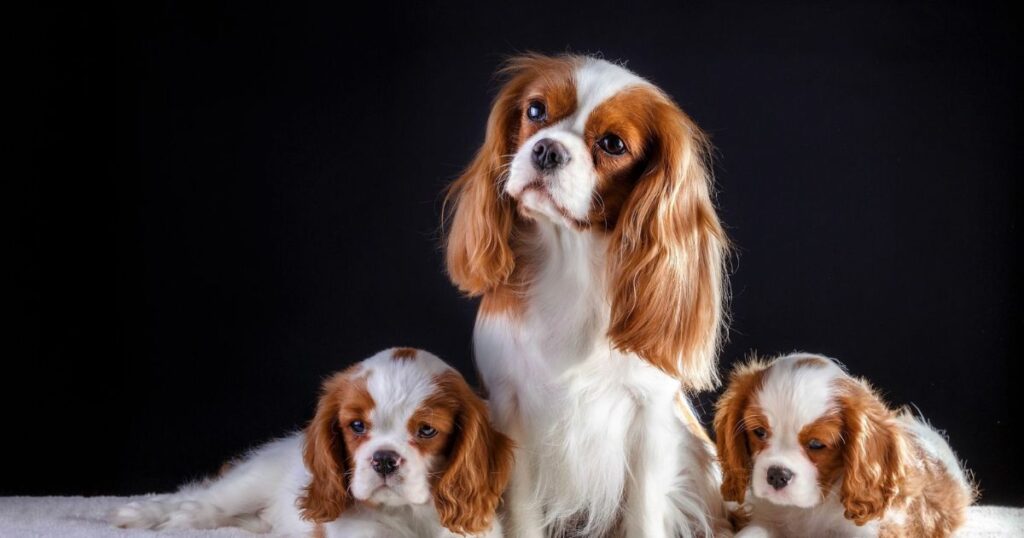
[(815, 444), (357, 427), (760, 433), (612, 144), (426, 432), (536, 111)]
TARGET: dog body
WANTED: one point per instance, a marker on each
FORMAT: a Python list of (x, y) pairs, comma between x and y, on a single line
[(400, 447), (812, 451), (586, 225)]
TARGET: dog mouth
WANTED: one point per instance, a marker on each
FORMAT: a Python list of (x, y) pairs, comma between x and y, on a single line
[(384, 490), (389, 482), (538, 186)]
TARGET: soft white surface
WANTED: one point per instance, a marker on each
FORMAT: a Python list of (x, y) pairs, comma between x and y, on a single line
[(71, 517)]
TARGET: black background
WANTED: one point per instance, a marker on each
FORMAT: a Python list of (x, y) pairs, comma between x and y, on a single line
[(227, 202)]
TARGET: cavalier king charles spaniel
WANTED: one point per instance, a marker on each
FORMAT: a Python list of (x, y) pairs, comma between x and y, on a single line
[(586, 224), (820, 454), (400, 447)]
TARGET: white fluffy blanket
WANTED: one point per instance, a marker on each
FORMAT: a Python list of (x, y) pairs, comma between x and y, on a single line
[(72, 517)]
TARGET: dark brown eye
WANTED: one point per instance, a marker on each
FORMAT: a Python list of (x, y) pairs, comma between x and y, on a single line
[(815, 444), (612, 144), (760, 433), (536, 111), (358, 427), (426, 432)]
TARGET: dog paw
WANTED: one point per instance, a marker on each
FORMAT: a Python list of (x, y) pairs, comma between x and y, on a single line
[(139, 515)]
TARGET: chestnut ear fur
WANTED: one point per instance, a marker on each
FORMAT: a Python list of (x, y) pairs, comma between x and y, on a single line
[(875, 455), (479, 464), (326, 457), (667, 254), (730, 434)]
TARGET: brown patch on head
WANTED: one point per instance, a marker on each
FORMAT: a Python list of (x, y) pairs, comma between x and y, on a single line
[(330, 443), (732, 411), (478, 457), (547, 81), (404, 353), (754, 420), (438, 412), (827, 430), (355, 404), (478, 255), (630, 115), (811, 362)]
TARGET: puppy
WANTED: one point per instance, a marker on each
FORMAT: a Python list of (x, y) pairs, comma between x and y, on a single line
[(812, 451), (400, 447), (586, 225)]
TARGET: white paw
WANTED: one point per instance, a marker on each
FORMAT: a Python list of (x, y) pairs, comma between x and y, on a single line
[(194, 515), (139, 515)]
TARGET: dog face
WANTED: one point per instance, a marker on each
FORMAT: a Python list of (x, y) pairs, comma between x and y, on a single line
[(586, 130), (793, 435), (798, 428), (399, 428)]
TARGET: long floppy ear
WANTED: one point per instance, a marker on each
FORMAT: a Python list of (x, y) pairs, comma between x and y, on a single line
[(479, 464), (875, 454), (325, 455), (478, 254), (730, 432), (668, 255)]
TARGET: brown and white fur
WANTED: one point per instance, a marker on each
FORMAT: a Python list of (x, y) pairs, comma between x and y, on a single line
[(586, 224), (400, 447), (811, 451)]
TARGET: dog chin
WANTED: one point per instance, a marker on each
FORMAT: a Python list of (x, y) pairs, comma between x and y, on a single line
[(535, 202), (393, 494), (785, 499), (389, 496)]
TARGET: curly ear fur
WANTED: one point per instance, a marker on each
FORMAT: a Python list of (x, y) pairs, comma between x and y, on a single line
[(730, 434), (668, 256), (875, 454), (479, 464), (326, 457)]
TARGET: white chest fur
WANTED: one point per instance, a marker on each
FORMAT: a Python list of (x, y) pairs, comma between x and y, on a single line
[(599, 444)]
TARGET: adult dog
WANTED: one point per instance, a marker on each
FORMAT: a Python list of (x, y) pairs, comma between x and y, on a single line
[(586, 224)]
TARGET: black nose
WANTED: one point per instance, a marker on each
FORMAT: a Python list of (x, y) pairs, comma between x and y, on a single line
[(385, 462), (549, 154), (778, 477)]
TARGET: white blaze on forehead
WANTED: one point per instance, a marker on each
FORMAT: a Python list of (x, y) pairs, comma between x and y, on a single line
[(399, 386), (597, 81), (795, 394)]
